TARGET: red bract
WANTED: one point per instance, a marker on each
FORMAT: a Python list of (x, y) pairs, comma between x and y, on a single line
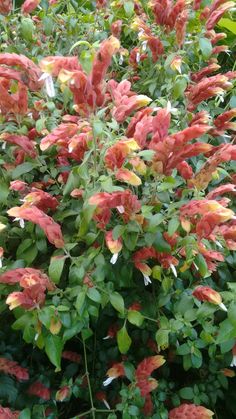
[(185, 170), (207, 88), (125, 202), (29, 5), (54, 64), (5, 7), (223, 153), (190, 411), (211, 219), (116, 371), (30, 72), (222, 122), (218, 8), (197, 4), (101, 3), (42, 200), (71, 356), (13, 368), (221, 190), (143, 380), (16, 103), (6, 413), (206, 71), (116, 28), (62, 393), (39, 390), (180, 27), (208, 294), (16, 275), (30, 298), (211, 257), (36, 216), (19, 186), (101, 63), (62, 132), (22, 141)]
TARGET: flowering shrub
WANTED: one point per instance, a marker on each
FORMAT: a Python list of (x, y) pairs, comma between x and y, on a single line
[(117, 218)]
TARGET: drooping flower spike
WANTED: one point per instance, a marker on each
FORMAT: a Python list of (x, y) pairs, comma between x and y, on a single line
[(203, 293), (190, 411), (36, 216)]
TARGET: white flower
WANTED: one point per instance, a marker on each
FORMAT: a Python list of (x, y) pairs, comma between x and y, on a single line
[(121, 209), (114, 258), (233, 363), (137, 57), (222, 306), (21, 221), (147, 280), (108, 381), (49, 86), (144, 46), (0, 262), (170, 109), (172, 267), (121, 60), (4, 144)]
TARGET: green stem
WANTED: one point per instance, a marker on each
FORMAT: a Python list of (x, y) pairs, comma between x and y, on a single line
[(95, 410), (92, 410)]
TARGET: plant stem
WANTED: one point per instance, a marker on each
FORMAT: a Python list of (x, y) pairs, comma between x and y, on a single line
[(92, 410), (95, 410)]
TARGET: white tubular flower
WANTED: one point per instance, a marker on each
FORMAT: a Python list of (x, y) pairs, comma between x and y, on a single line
[(49, 86), (114, 258), (222, 306), (21, 221), (121, 209), (137, 57), (172, 267), (108, 381), (147, 280)]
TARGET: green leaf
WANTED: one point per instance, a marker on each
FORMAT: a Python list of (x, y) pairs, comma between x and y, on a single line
[(201, 264), (80, 300), (25, 414), (94, 295), (162, 338), (160, 244), (228, 24), (205, 47), (56, 267), (22, 169), (27, 251), (135, 317), (179, 87), (173, 226), (117, 302), (186, 393), (124, 341), (4, 192), (53, 349), (86, 217), (183, 349), (129, 7), (118, 231), (232, 314), (27, 29), (47, 25)]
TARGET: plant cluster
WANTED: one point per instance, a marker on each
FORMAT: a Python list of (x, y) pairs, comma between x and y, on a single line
[(117, 222)]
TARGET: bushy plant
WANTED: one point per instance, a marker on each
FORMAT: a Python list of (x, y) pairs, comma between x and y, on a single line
[(118, 230)]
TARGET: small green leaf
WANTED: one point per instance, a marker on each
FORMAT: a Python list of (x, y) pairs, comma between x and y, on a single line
[(173, 226), (118, 231), (186, 393), (135, 317), (129, 7), (228, 24), (179, 87), (162, 338), (27, 29), (53, 349), (124, 341), (25, 414), (80, 300), (94, 295), (160, 244), (117, 302), (4, 192), (56, 267), (205, 47), (201, 264), (183, 349), (22, 169)]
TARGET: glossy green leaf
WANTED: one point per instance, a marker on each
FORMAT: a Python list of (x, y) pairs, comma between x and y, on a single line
[(117, 302), (124, 341), (53, 349)]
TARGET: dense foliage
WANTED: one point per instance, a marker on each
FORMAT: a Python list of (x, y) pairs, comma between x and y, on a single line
[(117, 222)]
